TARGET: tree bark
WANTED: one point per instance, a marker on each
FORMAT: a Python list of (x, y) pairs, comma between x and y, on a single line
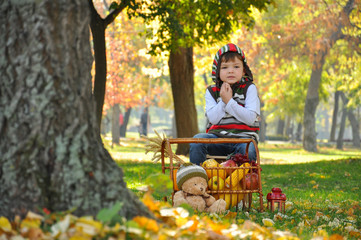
[(334, 117), (356, 142), (280, 127), (123, 129), (115, 124), (97, 26), (353, 121), (182, 78), (312, 100), (262, 131), (339, 144), (51, 153), (299, 132)]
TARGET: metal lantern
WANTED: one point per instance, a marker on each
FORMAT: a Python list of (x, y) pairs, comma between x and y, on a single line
[(276, 197)]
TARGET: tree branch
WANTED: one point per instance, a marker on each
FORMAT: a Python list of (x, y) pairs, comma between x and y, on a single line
[(110, 18)]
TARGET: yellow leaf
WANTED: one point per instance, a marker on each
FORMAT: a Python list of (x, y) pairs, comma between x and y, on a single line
[(315, 187), (339, 211), (30, 223), (32, 215), (313, 182), (149, 201), (268, 222), (321, 233), (312, 195), (88, 226), (181, 221), (77, 237), (217, 227), (231, 215), (5, 224), (194, 226), (147, 223)]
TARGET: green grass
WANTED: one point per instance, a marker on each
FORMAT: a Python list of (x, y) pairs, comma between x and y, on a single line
[(323, 189)]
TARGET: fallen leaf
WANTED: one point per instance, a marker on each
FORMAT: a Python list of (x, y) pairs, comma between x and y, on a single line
[(268, 222), (5, 224), (231, 215), (336, 237), (147, 223)]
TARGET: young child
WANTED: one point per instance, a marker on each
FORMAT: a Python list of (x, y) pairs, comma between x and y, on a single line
[(232, 107)]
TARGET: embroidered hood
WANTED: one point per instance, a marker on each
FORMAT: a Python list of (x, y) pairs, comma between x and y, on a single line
[(230, 47)]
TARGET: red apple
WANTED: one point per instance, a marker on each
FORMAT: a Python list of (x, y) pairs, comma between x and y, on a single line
[(252, 181), (229, 163)]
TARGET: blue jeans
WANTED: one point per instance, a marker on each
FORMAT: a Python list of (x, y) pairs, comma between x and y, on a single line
[(198, 151)]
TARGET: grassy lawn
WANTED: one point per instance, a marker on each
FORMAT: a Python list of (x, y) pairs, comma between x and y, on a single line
[(323, 189)]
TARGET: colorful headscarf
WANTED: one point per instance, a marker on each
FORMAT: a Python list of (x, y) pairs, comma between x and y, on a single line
[(230, 47)]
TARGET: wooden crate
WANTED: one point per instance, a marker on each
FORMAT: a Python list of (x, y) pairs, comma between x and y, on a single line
[(234, 194)]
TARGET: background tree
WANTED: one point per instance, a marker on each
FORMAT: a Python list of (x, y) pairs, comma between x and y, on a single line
[(51, 154), (314, 36), (98, 25), (182, 25)]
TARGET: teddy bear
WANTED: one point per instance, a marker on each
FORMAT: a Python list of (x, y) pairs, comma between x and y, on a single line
[(192, 180)]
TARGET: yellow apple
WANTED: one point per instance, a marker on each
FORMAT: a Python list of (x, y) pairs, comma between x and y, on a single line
[(216, 183)]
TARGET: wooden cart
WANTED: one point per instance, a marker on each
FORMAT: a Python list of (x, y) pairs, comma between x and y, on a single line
[(173, 166)]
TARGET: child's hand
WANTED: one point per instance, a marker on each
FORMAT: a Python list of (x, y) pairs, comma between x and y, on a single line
[(226, 92)]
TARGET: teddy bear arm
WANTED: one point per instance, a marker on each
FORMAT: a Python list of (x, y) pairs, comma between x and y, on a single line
[(178, 199), (209, 200), (197, 202), (218, 206)]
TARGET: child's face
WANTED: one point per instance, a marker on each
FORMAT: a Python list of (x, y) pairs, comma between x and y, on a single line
[(231, 71)]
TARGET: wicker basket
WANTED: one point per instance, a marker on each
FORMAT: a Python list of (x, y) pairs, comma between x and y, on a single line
[(238, 190)]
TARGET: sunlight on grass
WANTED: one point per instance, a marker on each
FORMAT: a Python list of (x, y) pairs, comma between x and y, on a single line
[(292, 154), (322, 188)]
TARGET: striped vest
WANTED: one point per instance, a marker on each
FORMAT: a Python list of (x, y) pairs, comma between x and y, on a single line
[(229, 126)]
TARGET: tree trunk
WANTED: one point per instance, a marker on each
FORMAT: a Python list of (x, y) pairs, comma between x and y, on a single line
[(182, 78), (262, 131), (356, 142), (115, 124), (280, 127), (334, 117), (123, 129), (339, 144), (354, 124), (299, 132), (51, 152), (312, 100), (98, 27)]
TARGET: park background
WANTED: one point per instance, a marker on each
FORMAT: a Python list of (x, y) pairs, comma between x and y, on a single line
[(282, 55), (57, 133)]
